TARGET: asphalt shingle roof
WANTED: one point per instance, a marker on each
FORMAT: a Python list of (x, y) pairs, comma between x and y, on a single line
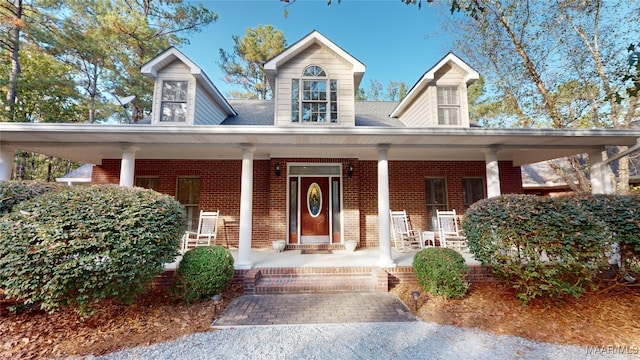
[(261, 112)]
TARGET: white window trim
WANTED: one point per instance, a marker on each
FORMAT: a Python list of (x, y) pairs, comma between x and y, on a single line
[(300, 102), (158, 102), (457, 106)]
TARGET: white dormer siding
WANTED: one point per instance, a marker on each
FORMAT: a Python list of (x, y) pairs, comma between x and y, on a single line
[(187, 90), (420, 108), (423, 110), (176, 71), (207, 110), (201, 107), (335, 69)]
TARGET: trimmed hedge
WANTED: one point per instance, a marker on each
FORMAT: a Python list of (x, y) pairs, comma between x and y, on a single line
[(78, 245), (621, 216), (203, 272), (441, 271), (14, 192), (543, 246)]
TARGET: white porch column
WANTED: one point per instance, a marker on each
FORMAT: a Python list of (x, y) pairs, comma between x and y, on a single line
[(598, 171), (493, 173), (246, 209), (127, 166), (384, 239), (6, 162)]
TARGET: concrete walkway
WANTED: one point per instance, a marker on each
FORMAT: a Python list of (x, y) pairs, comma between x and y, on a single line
[(287, 309)]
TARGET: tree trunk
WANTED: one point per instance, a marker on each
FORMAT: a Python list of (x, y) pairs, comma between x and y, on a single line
[(14, 44), (622, 183)]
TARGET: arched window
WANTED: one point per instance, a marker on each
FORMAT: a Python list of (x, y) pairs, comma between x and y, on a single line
[(314, 97)]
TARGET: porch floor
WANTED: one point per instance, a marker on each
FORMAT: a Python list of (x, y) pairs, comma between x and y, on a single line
[(367, 257)]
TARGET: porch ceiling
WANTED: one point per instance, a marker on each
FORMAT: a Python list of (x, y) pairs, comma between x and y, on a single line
[(92, 143)]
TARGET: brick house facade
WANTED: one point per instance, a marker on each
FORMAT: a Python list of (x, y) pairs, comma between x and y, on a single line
[(313, 166), (220, 184)]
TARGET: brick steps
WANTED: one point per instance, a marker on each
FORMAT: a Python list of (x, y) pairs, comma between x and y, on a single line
[(315, 280)]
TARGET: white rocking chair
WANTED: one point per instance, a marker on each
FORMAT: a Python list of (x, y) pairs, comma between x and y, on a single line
[(450, 232), (207, 231), (403, 235)]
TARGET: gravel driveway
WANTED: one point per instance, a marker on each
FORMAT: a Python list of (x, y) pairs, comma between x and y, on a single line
[(408, 340)]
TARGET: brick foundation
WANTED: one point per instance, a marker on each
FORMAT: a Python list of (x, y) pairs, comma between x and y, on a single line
[(330, 279)]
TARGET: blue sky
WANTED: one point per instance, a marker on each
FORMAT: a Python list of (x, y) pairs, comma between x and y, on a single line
[(395, 42)]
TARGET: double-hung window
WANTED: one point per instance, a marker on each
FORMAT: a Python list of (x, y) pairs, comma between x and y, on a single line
[(174, 101), (436, 197), (448, 105), (472, 190), (314, 97), (188, 194)]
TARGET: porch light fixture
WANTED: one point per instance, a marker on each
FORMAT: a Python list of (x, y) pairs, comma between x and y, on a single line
[(278, 172), (416, 296), (350, 170)]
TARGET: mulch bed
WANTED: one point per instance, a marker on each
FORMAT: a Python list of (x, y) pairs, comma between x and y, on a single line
[(607, 318), (155, 317)]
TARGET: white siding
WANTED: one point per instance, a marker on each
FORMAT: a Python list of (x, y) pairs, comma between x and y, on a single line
[(335, 68), (174, 71), (423, 111), (207, 111), (202, 109)]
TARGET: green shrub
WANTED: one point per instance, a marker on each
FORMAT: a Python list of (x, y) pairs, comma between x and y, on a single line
[(543, 246), (203, 272), (621, 215), (14, 192), (441, 271), (78, 245)]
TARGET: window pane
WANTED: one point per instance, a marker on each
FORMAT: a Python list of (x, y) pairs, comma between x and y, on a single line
[(314, 90), (314, 71), (335, 200), (447, 95), (174, 112), (448, 105), (333, 84), (148, 182), (188, 194), (295, 100), (472, 190), (174, 90), (436, 198), (448, 115), (188, 191), (314, 95), (293, 206)]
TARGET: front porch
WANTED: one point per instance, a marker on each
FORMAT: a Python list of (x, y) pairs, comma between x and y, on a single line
[(293, 271), (368, 257)]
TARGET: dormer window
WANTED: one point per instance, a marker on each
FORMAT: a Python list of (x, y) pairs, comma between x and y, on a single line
[(314, 97), (174, 101), (448, 105)]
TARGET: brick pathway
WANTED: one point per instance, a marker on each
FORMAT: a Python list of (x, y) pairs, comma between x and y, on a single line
[(250, 310)]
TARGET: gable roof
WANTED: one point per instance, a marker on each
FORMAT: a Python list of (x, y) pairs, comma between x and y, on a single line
[(416, 90), (314, 37), (155, 65)]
